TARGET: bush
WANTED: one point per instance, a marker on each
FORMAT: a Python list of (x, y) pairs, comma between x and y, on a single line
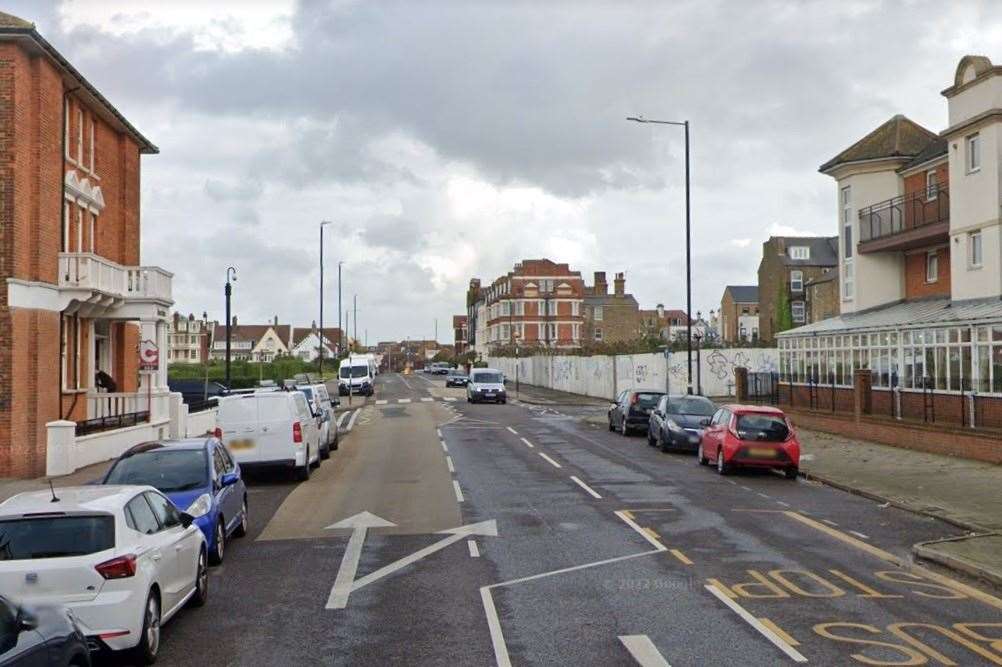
[(245, 374)]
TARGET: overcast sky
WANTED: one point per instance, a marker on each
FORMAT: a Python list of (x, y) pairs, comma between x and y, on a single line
[(448, 140)]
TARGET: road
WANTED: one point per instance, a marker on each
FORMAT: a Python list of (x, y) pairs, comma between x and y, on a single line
[(576, 546)]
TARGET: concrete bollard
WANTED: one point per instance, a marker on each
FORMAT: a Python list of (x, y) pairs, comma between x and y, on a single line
[(61, 438)]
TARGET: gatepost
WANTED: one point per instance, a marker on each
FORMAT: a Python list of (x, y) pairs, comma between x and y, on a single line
[(740, 384), (862, 394)]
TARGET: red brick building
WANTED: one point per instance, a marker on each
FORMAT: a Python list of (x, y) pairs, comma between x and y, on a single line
[(460, 333), (537, 303), (74, 299)]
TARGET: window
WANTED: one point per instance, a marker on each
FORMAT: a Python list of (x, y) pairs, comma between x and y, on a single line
[(598, 313), (847, 279), (846, 205), (598, 333), (797, 281), (974, 252), (91, 160), (36, 537), (973, 153), (931, 187), (800, 252), (575, 308), (847, 241), (551, 329), (520, 308), (140, 516), (931, 266), (797, 309), (80, 135), (164, 510)]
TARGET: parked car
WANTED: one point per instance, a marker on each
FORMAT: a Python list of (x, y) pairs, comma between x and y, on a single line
[(200, 478), (677, 422), (270, 429), (36, 636), (486, 384), (323, 412), (632, 410), (357, 375), (750, 436), (456, 378), (122, 559), (196, 391)]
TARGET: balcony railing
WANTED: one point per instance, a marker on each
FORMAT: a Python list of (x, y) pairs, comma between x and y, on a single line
[(905, 213), (82, 270)]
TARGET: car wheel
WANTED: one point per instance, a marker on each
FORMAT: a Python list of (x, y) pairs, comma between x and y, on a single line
[(325, 453), (664, 442), (792, 472), (303, 474), (316, 464), (201, 595), (722, 468), (702, 460), (241, 530), (219, 548), (651, 440), (611, 427), (149, 639)]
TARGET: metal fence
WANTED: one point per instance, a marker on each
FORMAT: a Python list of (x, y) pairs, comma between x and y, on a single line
[(202, 406), (763, 387), (100, 424)]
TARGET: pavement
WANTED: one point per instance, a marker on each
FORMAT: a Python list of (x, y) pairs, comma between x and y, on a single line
[(444, 533)]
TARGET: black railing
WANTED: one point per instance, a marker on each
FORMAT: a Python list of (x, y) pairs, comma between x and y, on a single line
[(904, 213), (99, 424), (202, 406), (763, 387)]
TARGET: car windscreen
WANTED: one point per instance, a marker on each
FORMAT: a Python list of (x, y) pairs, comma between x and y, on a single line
[(165, 469), (354, 371), (56, 536), (692, 405), (646, 400), (307, 392), (768, 428), (457, 374), (487, 378)]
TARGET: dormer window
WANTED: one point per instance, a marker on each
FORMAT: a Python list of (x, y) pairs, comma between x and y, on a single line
[(800, 252)]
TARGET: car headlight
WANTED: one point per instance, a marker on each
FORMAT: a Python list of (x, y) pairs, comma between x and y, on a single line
[(673, 425), (201, 506)]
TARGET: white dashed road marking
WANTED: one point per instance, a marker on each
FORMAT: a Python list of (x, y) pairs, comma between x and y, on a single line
[(382, 401), (778, 641), (527, 443), (513, 430), (860, 535), (403, 400), (474, 550), (643, 651), (584, 486), (427, 399), (459, 491), (549, 460), (448, 462)]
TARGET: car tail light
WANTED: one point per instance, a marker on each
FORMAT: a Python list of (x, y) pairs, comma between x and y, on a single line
[(218, 432), (634, 399), (118, 568), (297, 432)]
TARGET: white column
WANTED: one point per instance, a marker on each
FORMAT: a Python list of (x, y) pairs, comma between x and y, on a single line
[(60, 441), (161, 340)]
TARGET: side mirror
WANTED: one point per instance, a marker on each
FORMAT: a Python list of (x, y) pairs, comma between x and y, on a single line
[(229, 479), (26, 621), (186, 519)]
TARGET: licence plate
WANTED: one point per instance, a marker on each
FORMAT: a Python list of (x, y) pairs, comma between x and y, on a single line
[(762, 453), (241, 444)]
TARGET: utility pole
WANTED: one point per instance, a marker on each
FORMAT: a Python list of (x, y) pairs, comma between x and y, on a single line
[(341, 338), (321, 364), (228, 291), (355, 317)]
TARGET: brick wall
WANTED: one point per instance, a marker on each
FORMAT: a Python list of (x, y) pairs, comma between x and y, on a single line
[(915, 275)]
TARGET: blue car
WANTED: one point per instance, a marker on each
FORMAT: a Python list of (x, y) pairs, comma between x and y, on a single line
[(199, 476)]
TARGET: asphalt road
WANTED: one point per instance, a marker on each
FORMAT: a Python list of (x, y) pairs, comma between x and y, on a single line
[(606, 552)]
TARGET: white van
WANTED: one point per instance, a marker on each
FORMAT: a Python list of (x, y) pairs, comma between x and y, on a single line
[(486, 384), (271, 429), (356, 373)]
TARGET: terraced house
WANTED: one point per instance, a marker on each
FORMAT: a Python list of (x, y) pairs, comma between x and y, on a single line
[(919, 255), (76, 300)]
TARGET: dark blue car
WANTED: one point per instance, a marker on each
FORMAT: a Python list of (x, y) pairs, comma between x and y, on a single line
[(199, 476), (39, 637)]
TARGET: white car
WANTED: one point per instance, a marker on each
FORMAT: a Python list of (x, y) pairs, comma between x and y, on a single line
[(323, 407), (270, 429), (122, 559)]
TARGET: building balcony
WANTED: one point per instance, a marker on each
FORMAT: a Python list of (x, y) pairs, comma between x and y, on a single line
[(93, 285), (910, 221)]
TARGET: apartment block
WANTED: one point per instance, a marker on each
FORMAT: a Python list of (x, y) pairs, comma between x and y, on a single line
[(188, 339), (788, 263), (76, 303), (537, 303), (919, 252), (460, 336), (738, 316), (610, 318)]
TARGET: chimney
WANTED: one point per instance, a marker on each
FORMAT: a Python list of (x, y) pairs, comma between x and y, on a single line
[(276, 320), (661, 311), (620, 284), (313, 327), (601, 287), (780, 245), (234, 320)]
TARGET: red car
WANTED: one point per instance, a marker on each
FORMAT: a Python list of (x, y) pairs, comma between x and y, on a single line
[(750, 436)]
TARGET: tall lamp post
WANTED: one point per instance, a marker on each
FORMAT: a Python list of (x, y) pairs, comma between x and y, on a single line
[(321, 364), (688, 262), (205, 349), (229, 321), (340, 330)]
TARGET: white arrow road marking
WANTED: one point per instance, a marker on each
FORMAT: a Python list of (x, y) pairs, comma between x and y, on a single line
[(354, 416), (488, 528), (359, 524), (778, 641), (494, 625), (643, 650), (474, 549)]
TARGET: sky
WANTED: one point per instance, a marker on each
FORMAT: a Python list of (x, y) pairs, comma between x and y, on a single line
[(447, 140)]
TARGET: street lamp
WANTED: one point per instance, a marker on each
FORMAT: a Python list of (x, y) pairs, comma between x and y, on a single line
[(688, 262), (321, 364), (204, 353), (229, 322), (340, 332)]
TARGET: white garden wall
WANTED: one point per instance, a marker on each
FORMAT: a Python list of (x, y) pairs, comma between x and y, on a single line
[(606, 376)]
